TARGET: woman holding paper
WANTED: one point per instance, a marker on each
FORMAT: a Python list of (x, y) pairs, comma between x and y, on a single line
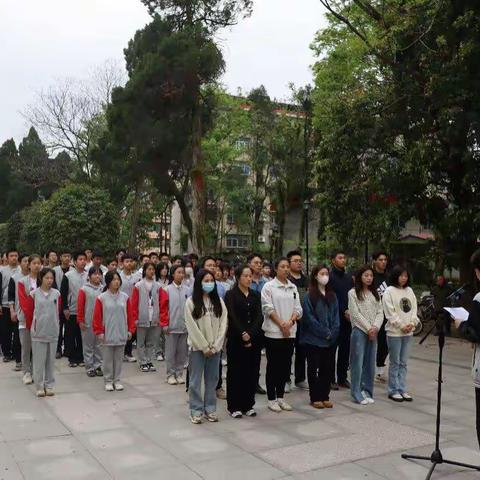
[(400, 308), (470, 329)]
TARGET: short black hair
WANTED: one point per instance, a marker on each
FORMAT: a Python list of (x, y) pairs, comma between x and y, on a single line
[(78, 254), (119, 251), (21, 256), (280, 260), (293, 253), (11, 250), (95, 270), (164, 254), (395, 274), (97, 254), (337, 251), (205, 259), (254, 255), (49, 252), (109, 276), (127, 256), (42, 274), (151, 254), (193, 256), (377, 254), (64, 251), (145, 266), (239, 270), (475, 260), (141, 257)]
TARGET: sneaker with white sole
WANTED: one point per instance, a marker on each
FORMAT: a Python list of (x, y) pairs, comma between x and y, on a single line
[(274, 406), (129, 359), (364, 402), (49, 392), (407, 397), (18, 367), (40, 393), (27, 378), (196, 419), (211, 417), (152, 367), (288, 387), (109, 387), (396, 397), (236, 414), (171, 380), (284, 405), (251, 413), (118, 387), (160, 358), (180, 380), (367, 397)]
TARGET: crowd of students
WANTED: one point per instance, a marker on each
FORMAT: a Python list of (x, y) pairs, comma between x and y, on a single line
[(206, 314)]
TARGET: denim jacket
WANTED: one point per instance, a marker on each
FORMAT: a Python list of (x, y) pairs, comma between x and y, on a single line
[(320, 325)]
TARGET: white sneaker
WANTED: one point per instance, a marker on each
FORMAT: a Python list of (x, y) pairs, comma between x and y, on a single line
[(224, 362), (109, 387), (364, 402), (251, 413), (236, 414), (129, 359), (288, 387), (180, 380), (118, 387), (40, 393), (368, 398), (27, 378), (284, 405), (171, 380), (274, 406), (160, 358)]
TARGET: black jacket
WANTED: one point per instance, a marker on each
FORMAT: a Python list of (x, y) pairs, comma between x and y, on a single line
[(244, 314), (342, 283)]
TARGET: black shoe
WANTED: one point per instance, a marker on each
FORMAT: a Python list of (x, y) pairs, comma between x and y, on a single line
[(334, 386), (99, 372), (81, 364), (91, 373), (345, 384), (260, 390), (396, 398), (58, 355), (7, 359), (72, 364)]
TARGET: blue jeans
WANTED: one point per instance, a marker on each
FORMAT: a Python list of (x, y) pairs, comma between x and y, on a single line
[(399, 350), (203, 368), (363, 354)]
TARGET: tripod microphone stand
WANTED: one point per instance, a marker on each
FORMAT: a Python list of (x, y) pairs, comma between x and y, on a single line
[(436, 458)]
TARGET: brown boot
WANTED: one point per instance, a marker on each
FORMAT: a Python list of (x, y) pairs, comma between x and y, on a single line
[(318, 405), (328, 404)]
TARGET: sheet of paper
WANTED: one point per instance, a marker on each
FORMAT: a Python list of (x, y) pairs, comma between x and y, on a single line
[(459, 313)]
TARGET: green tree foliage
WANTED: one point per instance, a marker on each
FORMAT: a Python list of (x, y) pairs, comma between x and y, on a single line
[(75, 217), (406, 79)]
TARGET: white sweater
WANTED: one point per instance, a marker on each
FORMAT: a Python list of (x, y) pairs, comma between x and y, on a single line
[(283, 299), (365, 313), (207, 331), (400, 307)]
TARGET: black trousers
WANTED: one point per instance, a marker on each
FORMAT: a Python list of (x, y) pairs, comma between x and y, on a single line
[(382, 346), (6, 332), (300, 360), (320, 363), (220, 372), (129, 345), (477, 405), (73, 340), (343, 349), (258, 352), (279, 364), (16, 345), (242, 376), (61, 335)]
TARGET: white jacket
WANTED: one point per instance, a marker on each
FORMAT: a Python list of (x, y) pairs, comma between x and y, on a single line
[(284, 300), (207, 331), (400, 307)]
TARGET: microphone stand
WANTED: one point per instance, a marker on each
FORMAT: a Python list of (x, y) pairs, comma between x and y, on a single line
[(436, 458)]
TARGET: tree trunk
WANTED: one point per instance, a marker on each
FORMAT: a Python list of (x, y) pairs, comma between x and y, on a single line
[(466, 251), (132, 240), (199, 193)]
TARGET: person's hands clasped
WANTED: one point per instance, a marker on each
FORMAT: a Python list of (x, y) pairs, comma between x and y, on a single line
[(285, 328), (372, 333), (407, 328), (83, 327)]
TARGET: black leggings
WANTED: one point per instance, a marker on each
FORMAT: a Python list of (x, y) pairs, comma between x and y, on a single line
[(320, 362), (477, 405), (382, 347), (279, 364)]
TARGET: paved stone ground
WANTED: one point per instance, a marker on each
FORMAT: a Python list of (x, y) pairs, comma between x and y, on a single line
[(144, 432)]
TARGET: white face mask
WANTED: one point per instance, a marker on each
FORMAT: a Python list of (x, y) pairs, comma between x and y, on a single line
[(323, 279), (189, 271)]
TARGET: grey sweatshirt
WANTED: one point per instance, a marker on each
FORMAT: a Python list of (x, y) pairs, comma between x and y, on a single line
[(7, 273), (46, 316), (177, 297)]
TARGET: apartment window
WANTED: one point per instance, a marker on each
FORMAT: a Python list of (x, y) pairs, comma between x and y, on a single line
[(242, 143), (230, 219), (246, 170), (238, 241)]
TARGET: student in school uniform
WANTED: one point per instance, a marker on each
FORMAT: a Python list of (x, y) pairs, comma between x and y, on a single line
[(60, 270), (72, 282), (6, 324), (206, 321), (146, 313), (43, 319), (129, 278), (18, 318), (172, 318), (92, 353), (114, 324)]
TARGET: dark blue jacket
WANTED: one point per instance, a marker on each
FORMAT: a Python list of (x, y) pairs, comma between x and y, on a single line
[(342, 283), (320, 325)]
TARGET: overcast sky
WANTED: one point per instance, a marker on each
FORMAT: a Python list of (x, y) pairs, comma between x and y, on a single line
[(41, 41)]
